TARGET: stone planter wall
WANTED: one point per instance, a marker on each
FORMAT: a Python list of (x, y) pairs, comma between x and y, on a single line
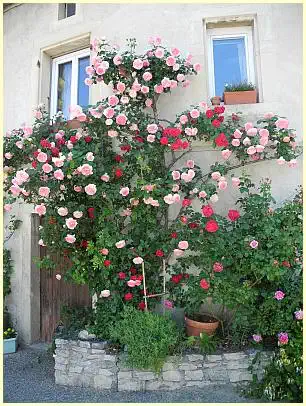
[(87, 364)]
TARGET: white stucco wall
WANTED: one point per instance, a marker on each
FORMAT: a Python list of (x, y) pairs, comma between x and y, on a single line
[(29, 28)]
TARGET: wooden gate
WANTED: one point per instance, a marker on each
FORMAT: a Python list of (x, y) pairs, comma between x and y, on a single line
[(55, 293)]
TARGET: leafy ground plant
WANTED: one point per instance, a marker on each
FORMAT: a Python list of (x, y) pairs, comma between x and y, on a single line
[(149, 338), (239, 87)]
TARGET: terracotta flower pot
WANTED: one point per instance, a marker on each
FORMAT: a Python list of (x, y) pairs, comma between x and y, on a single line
[(245, 97), (195, 328), (216, 100)]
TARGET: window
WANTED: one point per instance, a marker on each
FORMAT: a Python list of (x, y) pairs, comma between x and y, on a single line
[(231, 57), (67, 85), (66, 10)]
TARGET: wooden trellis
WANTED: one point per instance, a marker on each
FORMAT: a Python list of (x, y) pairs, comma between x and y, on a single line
[(145, 296)]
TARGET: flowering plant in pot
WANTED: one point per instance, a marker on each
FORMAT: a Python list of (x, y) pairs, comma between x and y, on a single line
[(105, 189), (240, 93), (9, 341)]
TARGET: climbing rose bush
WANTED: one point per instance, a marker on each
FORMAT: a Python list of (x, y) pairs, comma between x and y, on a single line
[(104, 189)]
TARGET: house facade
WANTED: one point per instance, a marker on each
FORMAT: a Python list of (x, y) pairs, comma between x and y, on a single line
[(46, 50)]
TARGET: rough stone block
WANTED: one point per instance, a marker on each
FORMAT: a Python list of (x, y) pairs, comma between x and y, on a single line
[(84, 344), (99, 346), (195, 357), (110, 357), (60, 367), (106, 372), (234, 355), (242, 364), (153, 385), (75, 369), (211, 365), (144, 375), (124, 374), (172, 376), (188, 367), (213, 358), (80, 349), (103, 382), (169, 366), (61, 360), (74, 379), (96, 357), (60, 341), (193, 375), (97, 351), (130, 385), (92, 368), (61, 378), (62, 352), (239, 376), (216, 374)]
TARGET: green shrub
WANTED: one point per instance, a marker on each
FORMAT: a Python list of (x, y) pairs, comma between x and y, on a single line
[(7, 272), (149, 338), (74, 319)]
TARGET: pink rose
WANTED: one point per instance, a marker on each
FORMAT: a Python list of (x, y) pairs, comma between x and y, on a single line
[(104, 251), (124, 191), (144, 89), (113, 100), (151, 138), (105, 177), (152, 128), (85, 170), (21, 177), (112, 133), (226, 153), (217, 267), (159, 53), (173, 84), (138, 260), (279, 295), (42, 157), (7, 207), (283, 338), (47, 168), (286, 139), (105, 293), (91, 189), (120, 244), (247, 126), (170, 61), (109, 112), (216, 175), (254, 244), (222, 185), (180, 77), (235, 142), (121, 119), (263, 133), (70, 238), (89, 70), (183, 245), (40, 209), (62, 211), (183, 119), (194, 113), (176, 175), (120, 87), (77, 214), (282, 123), (137, 64), (197, 67), (235, 182), (158, 89), (148, 102), (57, 162), (202, 194), (175, 188), (166, 82), (292, 163), (175, 51), (131, 283), (71, 223), (44, 191), (77, 189), (190, 163), (8, 155), (268, 116), (281, 161), (259, 148), (58, 174), (257, 338), (263, 141), (147, 76), (117, 60), (252, 132), (251, 150), (237, 134)]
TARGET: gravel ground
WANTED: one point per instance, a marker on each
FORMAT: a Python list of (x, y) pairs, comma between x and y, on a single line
[(29, 377)]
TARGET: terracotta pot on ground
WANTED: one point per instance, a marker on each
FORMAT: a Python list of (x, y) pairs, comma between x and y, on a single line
[(73, 124), (245, 97), (203, 324), (216, 100)]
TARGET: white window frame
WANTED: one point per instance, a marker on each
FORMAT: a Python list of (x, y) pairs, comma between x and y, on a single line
[(74, 59), (245, 32)]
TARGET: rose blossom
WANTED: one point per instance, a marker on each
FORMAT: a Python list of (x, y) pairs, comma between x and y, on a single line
[(176, 175), (71, 223), (90, 157), (235, 182), (257, 338), (120, 244), (178, 252), (222, 185), (58, 277), (237, 134), (58, 174), (147, 76), (121, 119), (105, 177), (247, 126), (158, 89), (226, 153), (151, 138), (279, 295), (202, 194), (197, 67), (44, 191), (131, 283), (91, 189), (7, 207), (70, 238), (235, 142), (138, 260), (214, 198), (298, 315), (47, 168), (180, 77), (183, 245), (152, 128), (204, 284), (62, 211), (283, 338), (282, 123), (105, 293), (40, 209), (170, 61), (246, 141), (183, 119), (292, 163), (254, 244), (252, 132), (124, 191), (216, 175), (159, 53), (217, 267), (77, 214), (8, 155)]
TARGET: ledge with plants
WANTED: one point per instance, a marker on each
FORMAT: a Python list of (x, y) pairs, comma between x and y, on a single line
[(105, 188)]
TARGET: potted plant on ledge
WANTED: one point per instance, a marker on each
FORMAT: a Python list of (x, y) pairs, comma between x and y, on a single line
[(240, 93), (10, 341)]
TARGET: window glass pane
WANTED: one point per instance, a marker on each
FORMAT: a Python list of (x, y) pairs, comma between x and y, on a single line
[(64, 88), (83, 90), (70, 9), (229, 62)]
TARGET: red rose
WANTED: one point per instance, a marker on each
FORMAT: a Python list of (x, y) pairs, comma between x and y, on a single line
[(172, 132), (286, 264), (221, 119), (141, 305), (204, 284), (55, 151), (139, 139), (176, 278), (139, 277), (221, 140), (73, 139), (186, 202), (121, 275), (107, 262), (216, 123), (133, 270), (87, 139), (118, 173), (45, 143), (164, 141), (118, 158), (185, 145), (217, 267), (193, 225), (34, 164), (125, 148), (233, 215), (60, 141), (173, 235), (209, 113), (207, 211), (84, 244), (211, 226), (219, 109), (235, 117), (91, 212), (176, 146), (134, 277), (128, 296), (159, 253), (35, 154)]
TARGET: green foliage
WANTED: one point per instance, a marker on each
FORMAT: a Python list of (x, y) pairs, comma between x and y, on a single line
[(7, 272), (149, 338), (239, 87), (205, 343), (9, 333), (74, 319)]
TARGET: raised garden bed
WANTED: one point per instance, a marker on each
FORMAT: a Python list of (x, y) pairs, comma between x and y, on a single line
[(88, 364)]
